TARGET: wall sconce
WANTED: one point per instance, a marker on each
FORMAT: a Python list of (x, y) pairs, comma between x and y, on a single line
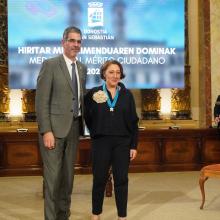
[(165, 109), (15, 105)]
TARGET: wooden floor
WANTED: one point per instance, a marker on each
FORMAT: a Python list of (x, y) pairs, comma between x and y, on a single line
[(152, 196)]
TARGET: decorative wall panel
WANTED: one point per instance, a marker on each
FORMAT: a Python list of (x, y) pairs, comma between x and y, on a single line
[(3, 33)]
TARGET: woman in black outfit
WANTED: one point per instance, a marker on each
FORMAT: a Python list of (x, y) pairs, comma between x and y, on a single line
[(111, 118)]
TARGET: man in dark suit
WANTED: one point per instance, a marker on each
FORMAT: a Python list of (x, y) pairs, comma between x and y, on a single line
[(59, 108)]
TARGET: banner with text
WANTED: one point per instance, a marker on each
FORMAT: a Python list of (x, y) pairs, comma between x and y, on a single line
[(145, 36)]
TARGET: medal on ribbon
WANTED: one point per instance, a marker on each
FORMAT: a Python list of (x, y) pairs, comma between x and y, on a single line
[(112, 104)]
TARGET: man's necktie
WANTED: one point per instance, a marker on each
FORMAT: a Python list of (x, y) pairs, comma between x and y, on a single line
[(75, 91)]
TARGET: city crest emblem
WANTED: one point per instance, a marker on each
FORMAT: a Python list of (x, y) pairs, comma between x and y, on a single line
[(95, 14)]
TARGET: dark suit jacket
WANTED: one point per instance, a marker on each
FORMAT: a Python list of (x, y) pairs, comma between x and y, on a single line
[(54, 96)]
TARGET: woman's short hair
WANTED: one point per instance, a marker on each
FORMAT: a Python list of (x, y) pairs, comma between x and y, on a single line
[(105, 66)]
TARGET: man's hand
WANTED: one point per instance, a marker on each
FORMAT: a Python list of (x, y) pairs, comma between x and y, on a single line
[(49, 140), (133, 154), (217, 119)]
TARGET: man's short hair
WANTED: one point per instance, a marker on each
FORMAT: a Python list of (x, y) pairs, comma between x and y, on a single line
[(71, 29)]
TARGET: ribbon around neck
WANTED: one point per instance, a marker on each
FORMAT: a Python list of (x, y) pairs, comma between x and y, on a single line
[(112, 104)]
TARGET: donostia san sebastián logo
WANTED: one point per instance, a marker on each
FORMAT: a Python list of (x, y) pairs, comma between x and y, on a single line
[(95, 14)]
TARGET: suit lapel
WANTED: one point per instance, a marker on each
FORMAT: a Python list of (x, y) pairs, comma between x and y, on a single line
[(65, 71), (67, 75)]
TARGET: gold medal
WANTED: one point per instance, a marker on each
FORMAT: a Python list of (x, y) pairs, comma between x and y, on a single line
[(111, 109)]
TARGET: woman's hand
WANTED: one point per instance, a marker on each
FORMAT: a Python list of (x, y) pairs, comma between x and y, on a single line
[(133, 154)]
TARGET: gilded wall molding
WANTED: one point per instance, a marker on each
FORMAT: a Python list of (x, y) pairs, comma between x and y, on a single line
[(205, 64), (28, 101), (150, 103), (4, 91), (3, 33), (180, 99)]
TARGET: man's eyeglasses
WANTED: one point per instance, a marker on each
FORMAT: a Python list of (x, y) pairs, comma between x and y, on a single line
[(74, 41)]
